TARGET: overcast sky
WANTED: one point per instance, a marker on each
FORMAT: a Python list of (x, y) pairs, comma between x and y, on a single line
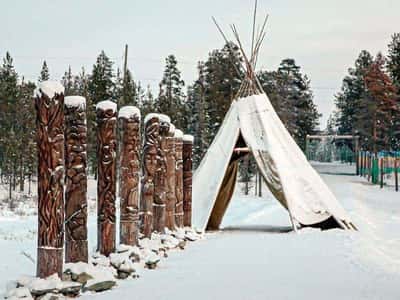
[(324, 37)]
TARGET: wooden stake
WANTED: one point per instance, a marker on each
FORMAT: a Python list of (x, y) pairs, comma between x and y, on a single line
[(381, 169), (396, 174), (160, 180), (49, 104), (178, 181), (76, 245), (171, 198), (149, 167), (187, 154), (106, 112), (129, 117)]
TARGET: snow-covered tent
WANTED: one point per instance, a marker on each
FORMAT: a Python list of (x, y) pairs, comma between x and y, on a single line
[(252, 123)]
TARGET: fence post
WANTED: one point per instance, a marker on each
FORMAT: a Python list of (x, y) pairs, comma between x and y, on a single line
[(179, 178), (129, 118), (381, 171), (49, 104), (76, 245), (160, 179), (106, 113), (171, 166), (396, 174), (149, 167), (187, 153)]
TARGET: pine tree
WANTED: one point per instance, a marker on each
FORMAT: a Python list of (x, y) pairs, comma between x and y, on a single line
[(380, 103), (197, 109), (352, 114), (171, 97), (393, 65), (100, 87), (44, 73), (69, 83)]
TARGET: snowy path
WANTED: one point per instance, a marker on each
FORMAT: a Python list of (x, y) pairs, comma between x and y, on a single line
[(255, 257)]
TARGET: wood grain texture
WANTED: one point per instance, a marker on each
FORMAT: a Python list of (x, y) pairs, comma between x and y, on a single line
[(76, 247), (106, 182), (187, 154), (149, 167), (129, 180), (50, 143)]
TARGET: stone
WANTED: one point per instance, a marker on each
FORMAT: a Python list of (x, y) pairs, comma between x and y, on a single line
[(151, 261), (51, 296), (182, 245), (95, 285), (70, 288), (18, 293)]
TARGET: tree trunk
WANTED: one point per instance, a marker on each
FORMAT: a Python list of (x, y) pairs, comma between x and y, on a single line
[(76, 245), (160, 181), (149, 164), (187, 154), (106, 170), (171, 198), (129, 177), (21, 175), (179, 182), (50, 142)]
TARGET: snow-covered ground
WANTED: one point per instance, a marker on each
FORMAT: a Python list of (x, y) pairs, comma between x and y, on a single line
[(257, 256)]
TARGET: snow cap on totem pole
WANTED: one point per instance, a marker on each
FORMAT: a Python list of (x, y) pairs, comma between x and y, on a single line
[(151, 116), (172, 129), (178, 134), (129, 112), (49, 88), (106, 105), (75, 101), (188, 138), (164, 118)]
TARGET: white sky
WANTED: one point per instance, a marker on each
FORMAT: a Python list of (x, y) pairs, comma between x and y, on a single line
[(324, 37)]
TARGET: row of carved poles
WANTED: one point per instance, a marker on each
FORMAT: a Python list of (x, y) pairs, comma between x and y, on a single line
[(165, 198), (375, 167)]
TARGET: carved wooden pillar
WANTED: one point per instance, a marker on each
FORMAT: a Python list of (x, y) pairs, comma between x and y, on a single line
[(170, 174), (129, 117), (149, 166), (160, 179), (106, 113), (49, 104), (187, 179), (76, 245), (178, 178)]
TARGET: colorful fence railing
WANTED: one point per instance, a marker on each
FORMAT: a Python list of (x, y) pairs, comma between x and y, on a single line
[(381, 168)]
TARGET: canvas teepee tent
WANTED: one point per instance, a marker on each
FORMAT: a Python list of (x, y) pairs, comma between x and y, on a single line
[(252, 123)]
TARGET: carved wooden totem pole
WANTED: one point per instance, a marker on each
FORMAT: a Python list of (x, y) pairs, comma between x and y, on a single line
[(76, 245), (49, 104), (171, 165), (149, 167), (160, 179), (179, 178), (129, 117), (106, 180), (187, 179)]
